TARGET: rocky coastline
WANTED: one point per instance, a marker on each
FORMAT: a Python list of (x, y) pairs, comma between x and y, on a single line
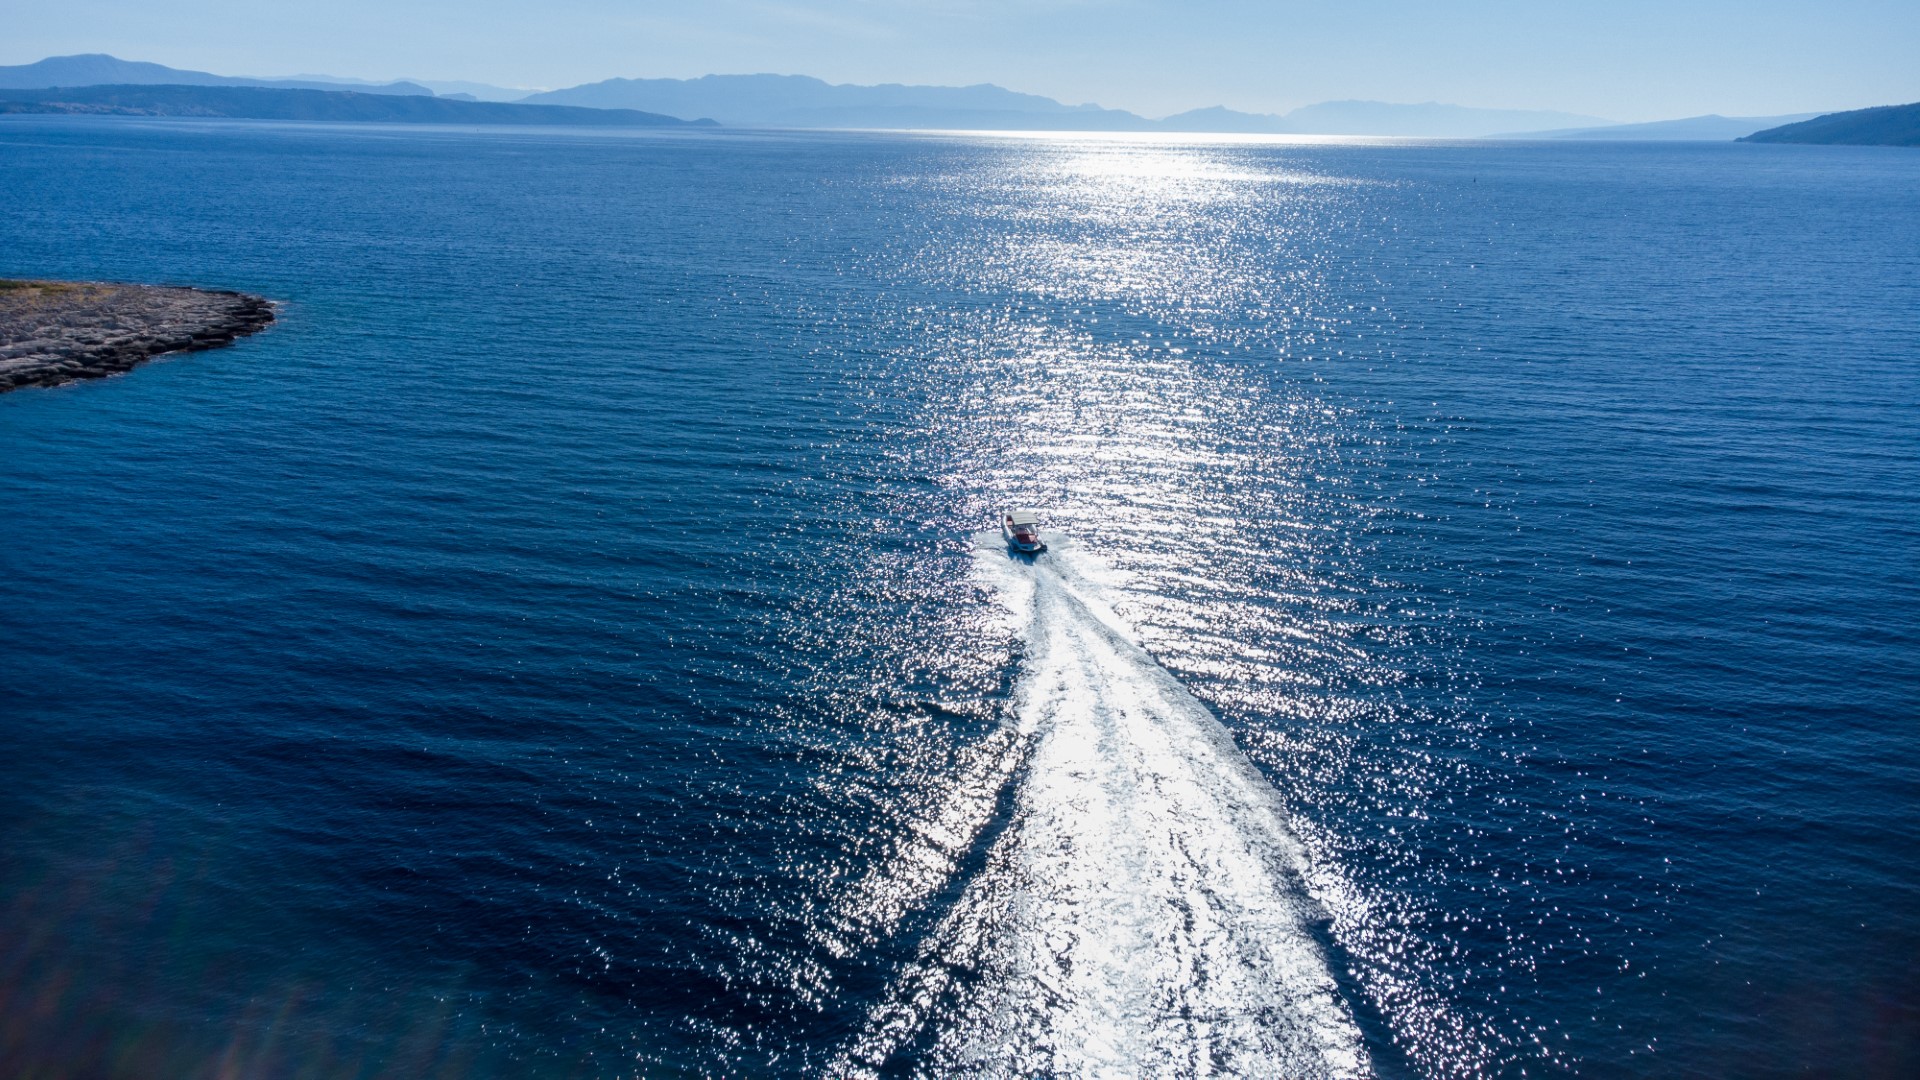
[(54, 332)]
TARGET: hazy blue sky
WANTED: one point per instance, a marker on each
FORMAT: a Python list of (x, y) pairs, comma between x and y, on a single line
[(1623, 59)]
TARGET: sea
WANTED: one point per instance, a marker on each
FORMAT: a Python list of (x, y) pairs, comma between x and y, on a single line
[(1479, 635)]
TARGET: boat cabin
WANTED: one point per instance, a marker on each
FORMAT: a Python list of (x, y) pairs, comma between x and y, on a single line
[(1022, 530)]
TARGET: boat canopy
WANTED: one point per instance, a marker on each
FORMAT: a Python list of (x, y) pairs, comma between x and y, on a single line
[(1023, 517)]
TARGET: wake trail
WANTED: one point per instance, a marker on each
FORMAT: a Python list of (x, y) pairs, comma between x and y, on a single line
[(1142, 911)]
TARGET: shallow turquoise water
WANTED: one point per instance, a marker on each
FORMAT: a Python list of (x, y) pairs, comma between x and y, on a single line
[(1479, 636)]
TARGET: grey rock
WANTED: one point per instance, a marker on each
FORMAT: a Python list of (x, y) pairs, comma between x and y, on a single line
[(54, 332)]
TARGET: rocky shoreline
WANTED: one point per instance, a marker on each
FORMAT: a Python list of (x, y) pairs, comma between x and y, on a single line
[(54, 332)]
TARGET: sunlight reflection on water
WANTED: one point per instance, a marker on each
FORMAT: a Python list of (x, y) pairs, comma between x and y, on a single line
[(1210, 502)]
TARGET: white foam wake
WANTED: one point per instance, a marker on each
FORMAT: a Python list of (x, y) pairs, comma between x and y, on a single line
[(1141, 912)]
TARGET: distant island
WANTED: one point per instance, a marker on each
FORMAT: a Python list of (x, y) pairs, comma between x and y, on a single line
[(99, 69), (1432, 120), (266, 103), (54, 332), (802, 101), (1887, 125)]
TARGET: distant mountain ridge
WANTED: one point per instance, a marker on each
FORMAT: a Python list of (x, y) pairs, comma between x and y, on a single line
[(281, 103), (99, 69), (453, 88), (1886, 125), (1429, 120), (804, 101), (479, 91)]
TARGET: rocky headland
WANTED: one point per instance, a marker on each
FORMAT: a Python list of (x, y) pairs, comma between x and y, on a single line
[(54, 332)]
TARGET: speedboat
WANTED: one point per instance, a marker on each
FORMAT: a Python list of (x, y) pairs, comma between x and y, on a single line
[(1022, 530)]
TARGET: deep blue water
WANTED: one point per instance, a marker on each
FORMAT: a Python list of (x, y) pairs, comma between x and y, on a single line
[(1481, 635)]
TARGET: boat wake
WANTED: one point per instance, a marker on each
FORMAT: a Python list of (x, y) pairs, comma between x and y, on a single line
[(1139, 909)]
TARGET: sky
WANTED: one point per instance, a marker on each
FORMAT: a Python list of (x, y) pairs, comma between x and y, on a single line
[(1623, 60)]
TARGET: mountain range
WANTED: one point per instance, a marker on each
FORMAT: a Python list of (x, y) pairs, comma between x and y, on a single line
[(99, 69), (799, 101), (803, 101), (302, 104)]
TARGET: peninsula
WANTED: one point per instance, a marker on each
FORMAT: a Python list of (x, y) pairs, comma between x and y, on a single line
[(54, 332), (1886, 125)]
